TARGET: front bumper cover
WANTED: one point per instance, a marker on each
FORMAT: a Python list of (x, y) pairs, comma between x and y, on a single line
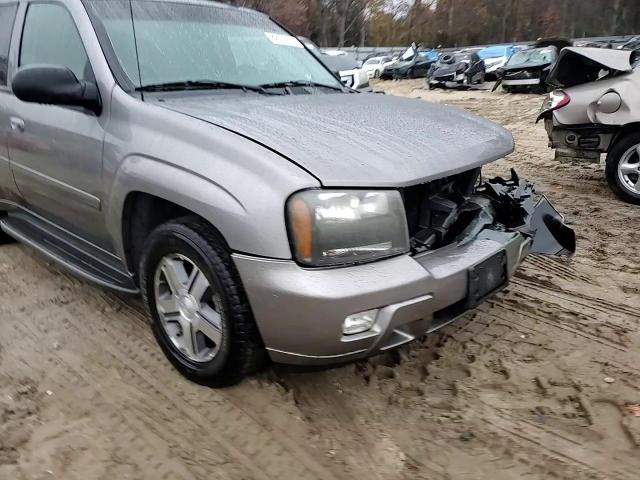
[(300, 311)]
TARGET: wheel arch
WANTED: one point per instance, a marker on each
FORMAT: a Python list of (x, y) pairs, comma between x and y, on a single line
[(623, 132), (147, 192)]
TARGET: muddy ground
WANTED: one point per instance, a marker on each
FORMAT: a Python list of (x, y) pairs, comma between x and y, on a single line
[(538, 383)]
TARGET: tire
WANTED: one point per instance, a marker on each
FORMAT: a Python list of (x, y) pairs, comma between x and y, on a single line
[(625, 152), (4, 238), (231, 348), (376, 74)]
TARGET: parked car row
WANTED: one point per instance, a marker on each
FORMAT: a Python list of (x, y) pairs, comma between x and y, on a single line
[(515, 68)]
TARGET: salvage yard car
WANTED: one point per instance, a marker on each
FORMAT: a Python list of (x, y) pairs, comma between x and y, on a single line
[(596, 109), (376, 65), (214, 165), (527, 70), (412, 64), (453, 70)]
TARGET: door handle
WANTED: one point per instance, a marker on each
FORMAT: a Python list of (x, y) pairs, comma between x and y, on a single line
[(17, 124)]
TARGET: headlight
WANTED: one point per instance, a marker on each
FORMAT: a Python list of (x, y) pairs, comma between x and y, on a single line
[(329, 227)]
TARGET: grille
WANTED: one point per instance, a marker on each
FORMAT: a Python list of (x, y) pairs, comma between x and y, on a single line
[(433, 209)]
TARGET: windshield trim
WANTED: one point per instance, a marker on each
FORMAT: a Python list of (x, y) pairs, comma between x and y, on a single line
[(119, 75), (123, 80)]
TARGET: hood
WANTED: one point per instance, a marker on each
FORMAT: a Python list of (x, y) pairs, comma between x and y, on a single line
[(442, 69), (577, 65), (355, 140)]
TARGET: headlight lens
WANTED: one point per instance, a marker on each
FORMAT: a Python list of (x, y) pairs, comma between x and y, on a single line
[(330, 227)]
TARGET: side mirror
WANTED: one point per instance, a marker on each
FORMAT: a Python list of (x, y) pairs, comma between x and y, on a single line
[(55, 85)]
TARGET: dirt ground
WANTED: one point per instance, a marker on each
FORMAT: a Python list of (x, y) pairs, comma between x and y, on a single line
[(538, 383)]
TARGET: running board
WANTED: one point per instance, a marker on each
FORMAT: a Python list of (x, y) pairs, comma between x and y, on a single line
[(52, 244)]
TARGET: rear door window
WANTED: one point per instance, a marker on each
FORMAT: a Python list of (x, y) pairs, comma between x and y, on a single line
[(7, 16)]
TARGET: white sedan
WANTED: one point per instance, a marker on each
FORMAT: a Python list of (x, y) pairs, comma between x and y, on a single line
[(374, 66)]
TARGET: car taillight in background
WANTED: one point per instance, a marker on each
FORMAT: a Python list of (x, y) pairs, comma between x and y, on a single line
[(553, 101)]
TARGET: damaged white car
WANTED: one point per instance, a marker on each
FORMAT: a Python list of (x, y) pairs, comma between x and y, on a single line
[(595, 110)]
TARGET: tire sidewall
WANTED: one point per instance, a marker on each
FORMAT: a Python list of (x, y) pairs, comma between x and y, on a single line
[(177, 239), (614, 157)]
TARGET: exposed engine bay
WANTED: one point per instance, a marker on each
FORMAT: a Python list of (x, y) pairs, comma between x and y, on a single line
[(457, 208)]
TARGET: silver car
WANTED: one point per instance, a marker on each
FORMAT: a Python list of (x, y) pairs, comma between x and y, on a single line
[(198, 154), (595, 109)]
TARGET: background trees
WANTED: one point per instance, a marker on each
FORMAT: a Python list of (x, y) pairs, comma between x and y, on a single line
[(449, 22)]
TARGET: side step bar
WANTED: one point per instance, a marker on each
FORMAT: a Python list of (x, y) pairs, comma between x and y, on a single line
[(28, 230)]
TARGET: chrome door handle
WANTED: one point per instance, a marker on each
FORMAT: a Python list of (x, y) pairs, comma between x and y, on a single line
[(17, 124)]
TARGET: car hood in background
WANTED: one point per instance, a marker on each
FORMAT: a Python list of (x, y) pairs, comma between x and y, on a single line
[(442, 69), (356, 139)]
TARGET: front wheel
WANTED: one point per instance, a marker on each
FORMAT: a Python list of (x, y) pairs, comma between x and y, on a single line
[(198, 309), (4, 238), (623, 168)]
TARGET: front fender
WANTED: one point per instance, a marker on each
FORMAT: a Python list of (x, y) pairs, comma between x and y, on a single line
[(242, 224)]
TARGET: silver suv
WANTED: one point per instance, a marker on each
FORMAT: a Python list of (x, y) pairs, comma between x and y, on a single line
[(199, 154)]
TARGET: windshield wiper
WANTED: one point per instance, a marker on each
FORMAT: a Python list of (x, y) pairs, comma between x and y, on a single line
[(201, 85), (301, 83)]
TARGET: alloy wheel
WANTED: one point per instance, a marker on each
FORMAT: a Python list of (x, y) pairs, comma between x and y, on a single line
[(629, 170), (189, 308)]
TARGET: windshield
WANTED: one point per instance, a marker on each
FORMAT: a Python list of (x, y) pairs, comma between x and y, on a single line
[(180, 42), (373, 61), (538, 55)]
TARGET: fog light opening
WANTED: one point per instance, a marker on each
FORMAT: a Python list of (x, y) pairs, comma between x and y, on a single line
[(359, 322)]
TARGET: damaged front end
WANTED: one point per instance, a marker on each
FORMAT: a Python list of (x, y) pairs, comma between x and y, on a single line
[(458, 208)]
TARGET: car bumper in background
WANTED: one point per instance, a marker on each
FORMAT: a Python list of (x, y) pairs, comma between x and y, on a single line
[(583, 143), (521, 82), (448, 81)]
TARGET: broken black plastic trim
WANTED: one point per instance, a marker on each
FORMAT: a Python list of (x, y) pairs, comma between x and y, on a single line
[(454, 213), (517, 209)]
